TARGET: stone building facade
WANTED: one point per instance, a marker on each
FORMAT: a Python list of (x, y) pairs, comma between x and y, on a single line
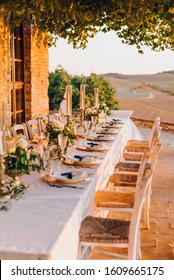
[(23, 72)]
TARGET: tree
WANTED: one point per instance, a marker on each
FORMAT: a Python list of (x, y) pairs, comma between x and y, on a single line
[(60, 78), (57, 84), (136, 22)]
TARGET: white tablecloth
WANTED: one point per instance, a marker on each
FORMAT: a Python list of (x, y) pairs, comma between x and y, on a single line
[(44, 223)]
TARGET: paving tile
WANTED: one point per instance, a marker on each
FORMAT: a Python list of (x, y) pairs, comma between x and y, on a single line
[(158, 243)]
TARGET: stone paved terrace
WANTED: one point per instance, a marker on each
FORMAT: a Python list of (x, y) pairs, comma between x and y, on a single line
[(158, 241)]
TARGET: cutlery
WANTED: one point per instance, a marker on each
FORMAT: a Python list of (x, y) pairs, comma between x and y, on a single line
[(66, 186)]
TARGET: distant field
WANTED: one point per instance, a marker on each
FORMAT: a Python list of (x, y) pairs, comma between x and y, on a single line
[(147, 95)]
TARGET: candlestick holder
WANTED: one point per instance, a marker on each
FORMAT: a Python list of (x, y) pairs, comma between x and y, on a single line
[(81, 117), (4, 192), (67, 119)]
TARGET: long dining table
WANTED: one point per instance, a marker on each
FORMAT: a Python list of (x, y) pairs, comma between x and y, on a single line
[(45, 222)]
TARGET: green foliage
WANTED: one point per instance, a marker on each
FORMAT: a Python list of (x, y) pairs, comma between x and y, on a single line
[(22, 161), (136, 22), (58, 81), (60, 78), (55, 128)]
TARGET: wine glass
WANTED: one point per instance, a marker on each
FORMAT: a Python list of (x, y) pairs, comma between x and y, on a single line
[(87, 124), (94, 120), (62, 142)]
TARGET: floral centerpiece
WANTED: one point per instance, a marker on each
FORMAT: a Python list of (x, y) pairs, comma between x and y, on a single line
[(54, 128), (21, 158), (104, 108), (89, 112)]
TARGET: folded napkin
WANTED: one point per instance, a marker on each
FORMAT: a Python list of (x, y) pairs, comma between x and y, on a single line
[(79, 157), (110, 123), (92, 144), (100, 136), (69, 175)]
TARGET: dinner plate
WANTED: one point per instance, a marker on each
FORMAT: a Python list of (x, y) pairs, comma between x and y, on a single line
[(116, 121), (111, 125), (100, 138), (107, 131), (93, 147), (66, 176), (84, 160)]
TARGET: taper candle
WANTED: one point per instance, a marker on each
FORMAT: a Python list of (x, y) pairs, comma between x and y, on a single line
[(1, 143), (82, 96), (96, 97), (69, 100)]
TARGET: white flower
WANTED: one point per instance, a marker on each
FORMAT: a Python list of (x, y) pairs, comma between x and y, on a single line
[(22, 143), (94, 112), (58, 124), (88, 111)]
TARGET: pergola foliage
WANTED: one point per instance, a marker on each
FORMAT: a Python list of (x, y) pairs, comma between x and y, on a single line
[(136, 22)]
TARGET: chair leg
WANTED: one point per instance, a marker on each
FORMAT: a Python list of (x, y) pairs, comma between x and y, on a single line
[(146, 208)]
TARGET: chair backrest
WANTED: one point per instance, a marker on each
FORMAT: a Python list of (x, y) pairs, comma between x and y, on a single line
[(55, 116), (155, 127), (140, 197), (155, 150), (8, 132), (43, 120), (145, 159), (33, 127), (19, 130)]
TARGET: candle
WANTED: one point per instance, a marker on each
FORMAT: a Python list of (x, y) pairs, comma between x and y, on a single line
[(82, 96), (96, 97), (69, 100), (1, 143)]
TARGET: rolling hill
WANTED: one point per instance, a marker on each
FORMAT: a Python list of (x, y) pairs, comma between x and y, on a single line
[(147, 95)]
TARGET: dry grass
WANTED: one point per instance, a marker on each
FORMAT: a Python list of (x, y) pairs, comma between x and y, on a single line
[(147, 95)]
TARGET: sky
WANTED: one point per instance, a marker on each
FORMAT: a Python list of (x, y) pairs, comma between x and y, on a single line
[(105, 53)]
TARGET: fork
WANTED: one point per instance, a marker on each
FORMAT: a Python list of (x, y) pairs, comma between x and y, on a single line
[(67, 186)]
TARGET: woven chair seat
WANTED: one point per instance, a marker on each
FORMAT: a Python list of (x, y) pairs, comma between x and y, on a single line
[(114, 199), (138, 142), (106, 230), (136, 148), (126, 166), (132, 157), (123, 178)]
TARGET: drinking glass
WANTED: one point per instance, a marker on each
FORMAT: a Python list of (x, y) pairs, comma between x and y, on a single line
[(94, 120), (63, 142), (87, 124)]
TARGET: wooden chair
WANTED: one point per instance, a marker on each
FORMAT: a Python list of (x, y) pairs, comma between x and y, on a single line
[(122, 199), (19, 130), (43, 120), (111, 233), (8, 132), (33, 127), (56, 116), (155, 126), (135, 152)]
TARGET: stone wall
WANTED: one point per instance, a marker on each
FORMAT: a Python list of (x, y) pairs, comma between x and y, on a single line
[(39, 77), (5, 66), (35, 71), (167, 126)]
